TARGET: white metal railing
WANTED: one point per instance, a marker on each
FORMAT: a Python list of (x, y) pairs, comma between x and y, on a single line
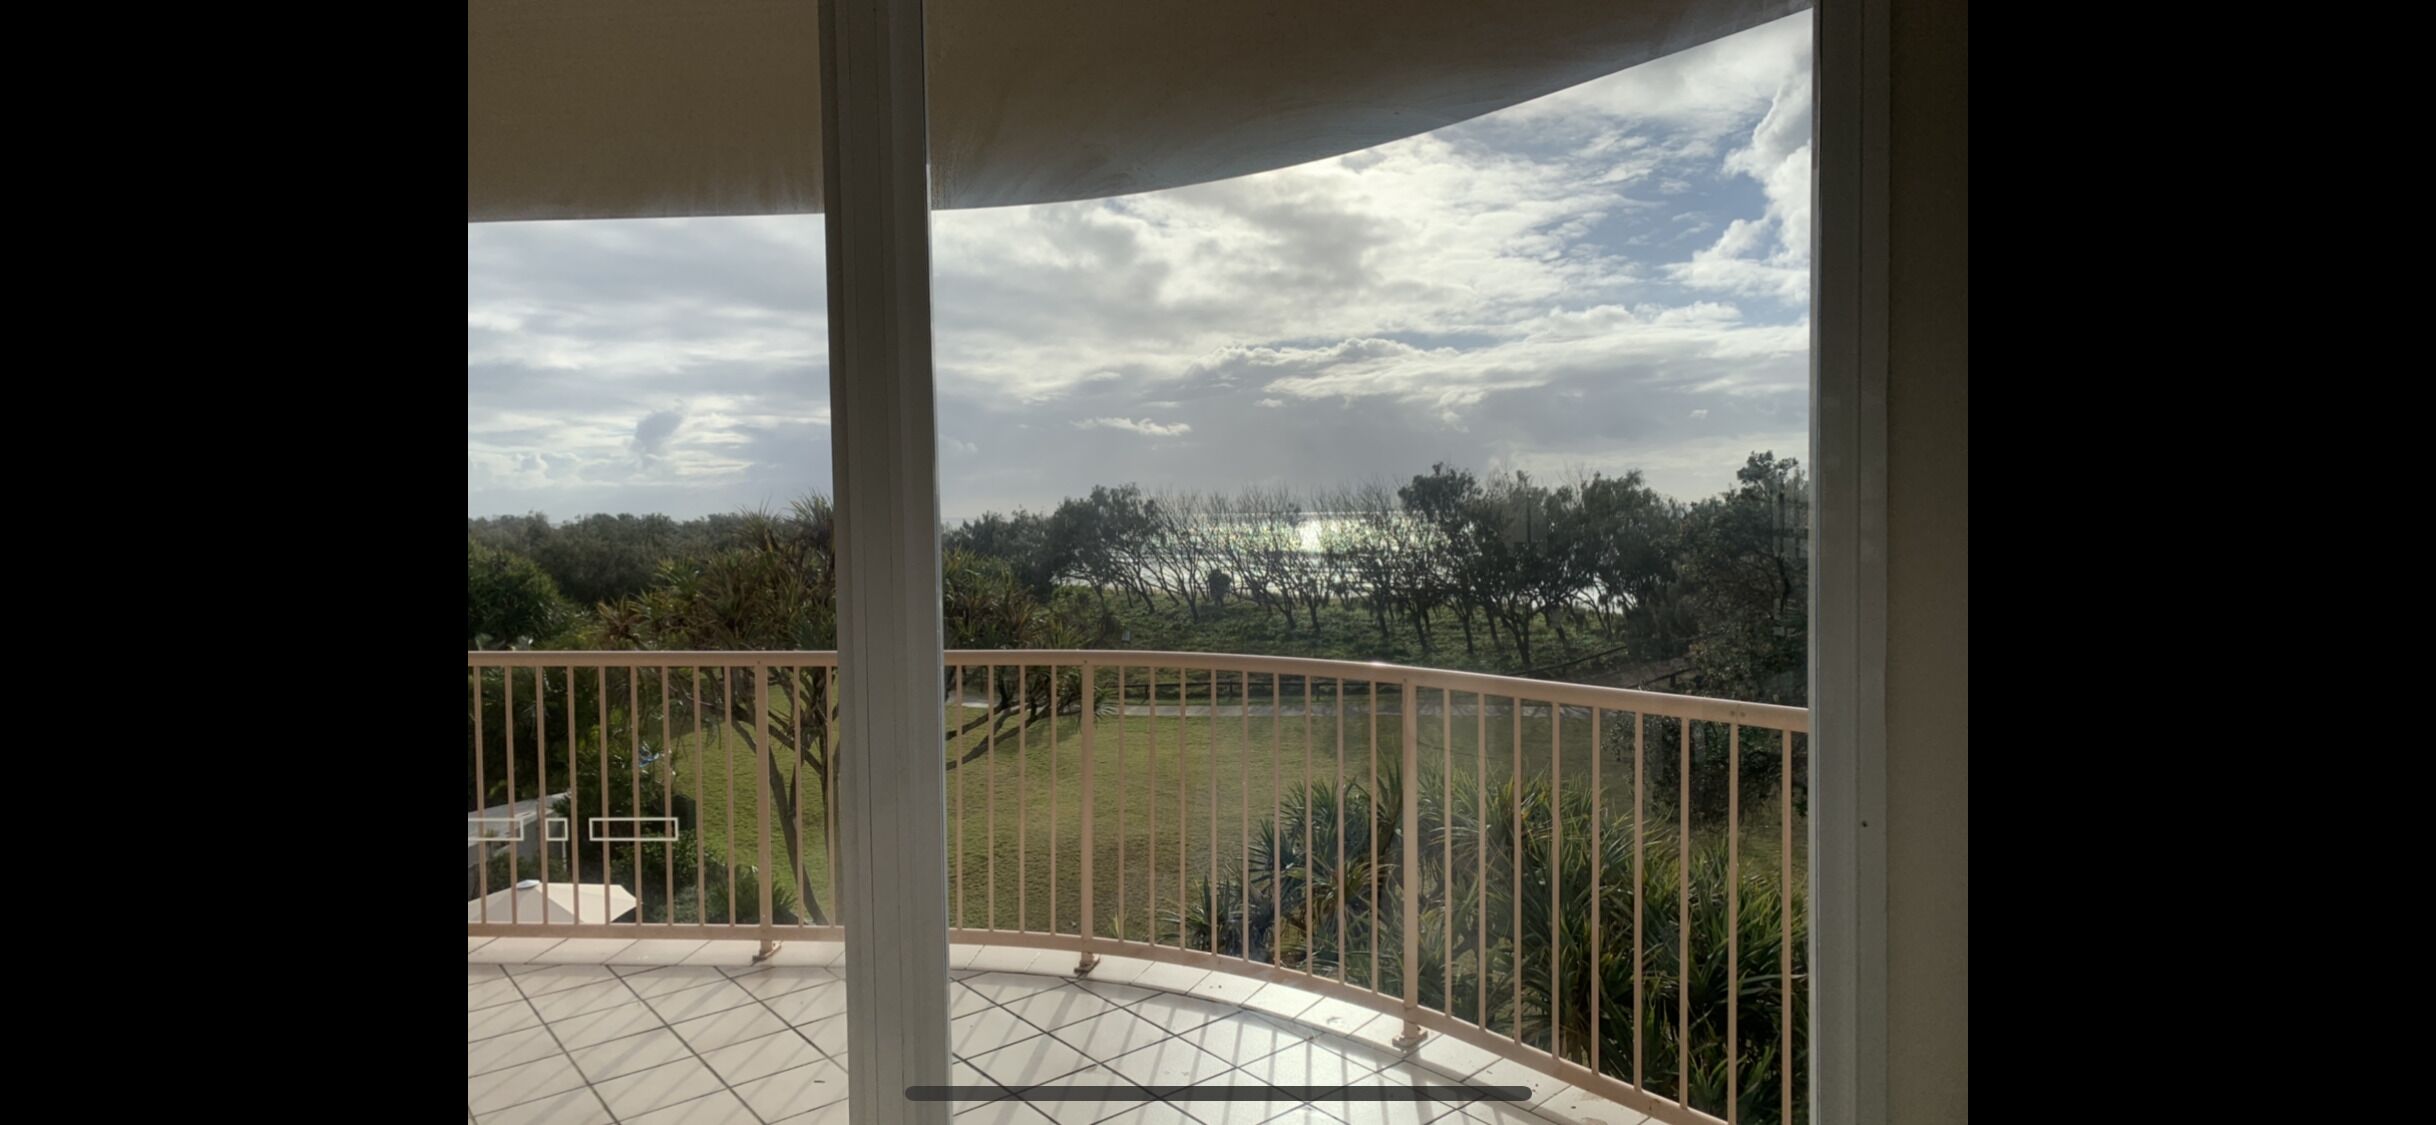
[(1445, 854)]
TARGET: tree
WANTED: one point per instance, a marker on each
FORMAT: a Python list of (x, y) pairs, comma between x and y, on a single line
[(779, 592), (1368, 549), (602, 558), (986, 608), (509, 600), (1746, 576), (1268, 536), (1104, 539), (1628, 538), (1176, 551), (1502, 524), (1022, 541), (1554, 550), (1445, 500)]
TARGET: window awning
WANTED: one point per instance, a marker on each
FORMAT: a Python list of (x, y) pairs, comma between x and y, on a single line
[(594, 109)]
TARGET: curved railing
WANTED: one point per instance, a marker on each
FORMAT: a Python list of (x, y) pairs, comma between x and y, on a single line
[(1603, 884)]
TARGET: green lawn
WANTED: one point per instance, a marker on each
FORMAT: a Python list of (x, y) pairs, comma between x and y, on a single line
[(1015, 824), (1345, 632)]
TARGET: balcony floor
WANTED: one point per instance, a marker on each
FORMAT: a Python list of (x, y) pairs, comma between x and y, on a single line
[(579, 1032)]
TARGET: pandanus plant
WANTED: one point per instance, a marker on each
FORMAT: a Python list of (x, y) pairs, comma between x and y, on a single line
[(1468, 883)]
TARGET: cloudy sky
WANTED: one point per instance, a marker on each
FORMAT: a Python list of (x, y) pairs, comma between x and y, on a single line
[(1615, 276)]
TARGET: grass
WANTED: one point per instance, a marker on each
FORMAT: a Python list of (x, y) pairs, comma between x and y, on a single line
[(1345, 632), (1015, 825)]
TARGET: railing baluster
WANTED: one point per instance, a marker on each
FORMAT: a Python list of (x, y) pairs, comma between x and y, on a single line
[(1185, 804), (701, 788), (1150, 807), (1683, 926), (795, 776), (1023, 785), (1052, 798), (1123, 828), (989, 742), (668, 798), (575, 799), (727, 762), (541, 777), (834, 746), (1640, 845), (1556, 878), (1340, 805), (761, 787), (1480, 850), (482, 805), (1089, 923), (1243, 906), (1518, 871), (634, 776), (1310, 866), (1733, 897), (601, 697), (1370, 831), (515, 847), (958, 752), (1598, 903), (1446, 843), (1784, 947), (1213, 852), (1411, 831), (1277, 878)]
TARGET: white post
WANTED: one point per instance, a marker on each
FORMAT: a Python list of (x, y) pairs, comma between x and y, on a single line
[(1848, 564), (893, 792)]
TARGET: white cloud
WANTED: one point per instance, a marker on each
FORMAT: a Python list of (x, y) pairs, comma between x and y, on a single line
[(1145, 426), (1770, 255), (1618, 269)]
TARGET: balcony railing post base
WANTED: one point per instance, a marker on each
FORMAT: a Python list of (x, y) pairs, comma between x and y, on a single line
[(768, 946), (1412, 1037), (1089, 962)]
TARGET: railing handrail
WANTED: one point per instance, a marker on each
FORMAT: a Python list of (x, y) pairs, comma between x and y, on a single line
[(1767, 716)]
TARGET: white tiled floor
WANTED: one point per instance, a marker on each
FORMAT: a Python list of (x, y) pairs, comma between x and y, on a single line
[(691, 1033)]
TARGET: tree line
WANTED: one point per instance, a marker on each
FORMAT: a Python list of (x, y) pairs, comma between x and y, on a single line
[(1497, 563), (1496, 558)]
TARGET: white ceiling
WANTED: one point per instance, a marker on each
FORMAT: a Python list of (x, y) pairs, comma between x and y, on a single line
[(589, 109)]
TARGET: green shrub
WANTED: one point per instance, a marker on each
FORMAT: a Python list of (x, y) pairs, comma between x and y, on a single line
[(1712, 761), (1290, 917)]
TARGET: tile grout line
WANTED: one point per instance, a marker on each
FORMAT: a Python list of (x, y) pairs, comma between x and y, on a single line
[(1096, 1061), (1237, 1008), (1243, 1007), (546, 1029), (589, 1086), (695, 1054)]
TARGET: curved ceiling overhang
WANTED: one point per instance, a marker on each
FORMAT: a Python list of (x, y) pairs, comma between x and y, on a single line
[(601, 109)]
